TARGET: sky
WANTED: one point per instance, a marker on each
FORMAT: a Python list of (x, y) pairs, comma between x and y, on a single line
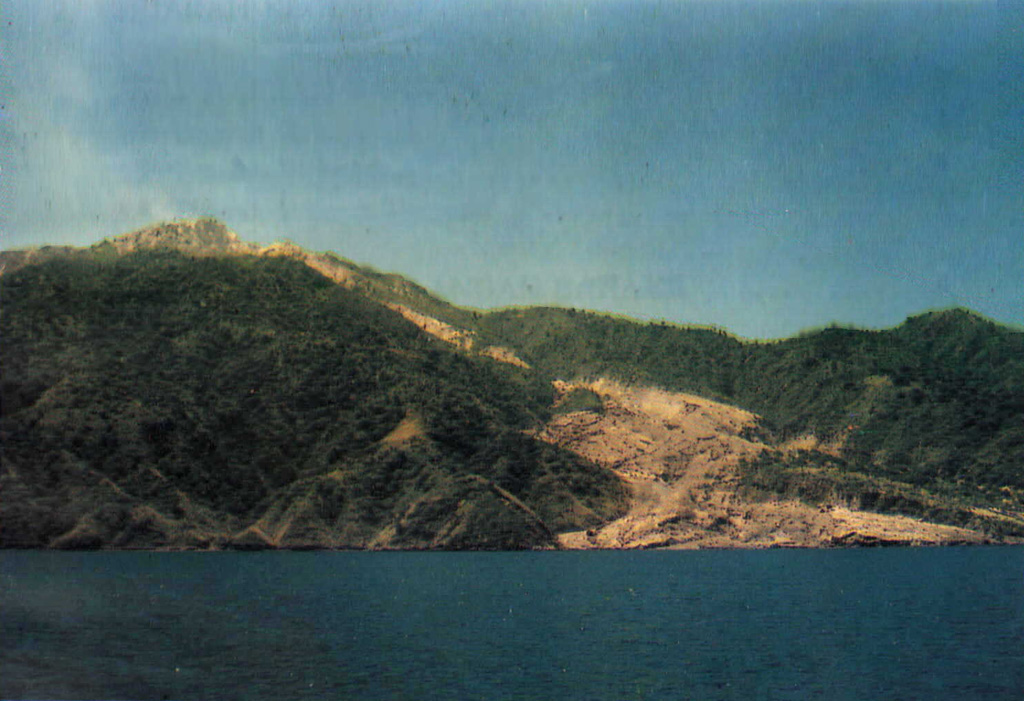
[(766, 167)]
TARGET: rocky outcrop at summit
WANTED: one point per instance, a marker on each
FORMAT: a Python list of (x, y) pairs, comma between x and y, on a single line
[(200, 237)]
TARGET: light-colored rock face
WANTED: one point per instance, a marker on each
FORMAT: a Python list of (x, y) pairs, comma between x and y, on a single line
[(504, 355), (460, 338), (679, 454), (331, 268), (439, 329), (195, 236), (651, 436), (209, 237)]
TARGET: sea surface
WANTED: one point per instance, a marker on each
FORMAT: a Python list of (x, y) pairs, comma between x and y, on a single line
[(942, 623)]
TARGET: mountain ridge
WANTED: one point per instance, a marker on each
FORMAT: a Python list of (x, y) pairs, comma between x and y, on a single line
[(207, 235), (444, 444)]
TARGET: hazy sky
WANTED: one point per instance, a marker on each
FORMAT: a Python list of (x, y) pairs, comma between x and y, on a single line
[(763, 166)]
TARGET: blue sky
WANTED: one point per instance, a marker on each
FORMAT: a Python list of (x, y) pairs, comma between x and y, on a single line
[(766, 167)]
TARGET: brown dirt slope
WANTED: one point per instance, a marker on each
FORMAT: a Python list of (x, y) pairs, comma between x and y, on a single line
[(679, 454)]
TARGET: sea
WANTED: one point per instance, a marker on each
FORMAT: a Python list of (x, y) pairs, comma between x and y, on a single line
[(897, 623)]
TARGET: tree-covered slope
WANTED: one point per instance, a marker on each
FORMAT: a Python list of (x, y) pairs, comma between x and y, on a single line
[(178, 386), (158, 399), (937, 401)]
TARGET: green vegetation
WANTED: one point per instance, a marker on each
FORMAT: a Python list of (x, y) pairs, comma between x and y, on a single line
[(243, 381), (570, 344), (155, 398), (938, 399), (820, 479)]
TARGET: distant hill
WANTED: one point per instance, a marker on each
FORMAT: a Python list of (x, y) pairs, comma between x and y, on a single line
[(938, 399), (178, 387)]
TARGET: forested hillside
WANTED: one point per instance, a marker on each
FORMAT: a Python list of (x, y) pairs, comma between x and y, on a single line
[(178, 387), (221, 392)]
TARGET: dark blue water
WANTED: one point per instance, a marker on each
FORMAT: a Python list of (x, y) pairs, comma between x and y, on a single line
[(849, 624)]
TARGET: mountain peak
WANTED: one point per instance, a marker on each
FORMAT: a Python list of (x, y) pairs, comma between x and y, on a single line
[(202, 236), (946, 321)]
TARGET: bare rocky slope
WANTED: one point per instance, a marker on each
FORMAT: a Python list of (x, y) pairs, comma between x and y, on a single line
[(680, 455), (178, 387)]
